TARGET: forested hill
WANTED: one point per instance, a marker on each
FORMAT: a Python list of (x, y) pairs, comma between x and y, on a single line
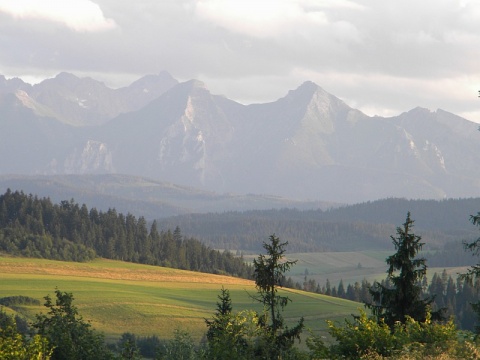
[(365, 226), (35, 227)]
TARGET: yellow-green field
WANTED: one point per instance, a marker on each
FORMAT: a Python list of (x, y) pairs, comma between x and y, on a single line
[(118, 297)]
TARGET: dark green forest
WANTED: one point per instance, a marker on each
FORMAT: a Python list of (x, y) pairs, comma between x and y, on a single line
[(365, 226), (34, 227)]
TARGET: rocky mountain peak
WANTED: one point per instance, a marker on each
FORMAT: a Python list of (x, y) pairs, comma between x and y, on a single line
[(308, 144), (304, 91), (419, 111), (66, 77), (313, 96), (150, 82), (308, 86), (145, 90), (196, 84), (12, 85), (67, 81)]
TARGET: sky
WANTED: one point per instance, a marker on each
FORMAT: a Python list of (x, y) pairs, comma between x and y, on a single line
[(383, 57)]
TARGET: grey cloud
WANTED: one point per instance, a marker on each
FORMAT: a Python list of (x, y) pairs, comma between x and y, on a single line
[(376, 54)]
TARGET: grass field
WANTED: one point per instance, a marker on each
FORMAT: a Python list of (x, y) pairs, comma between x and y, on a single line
[(118, 297)]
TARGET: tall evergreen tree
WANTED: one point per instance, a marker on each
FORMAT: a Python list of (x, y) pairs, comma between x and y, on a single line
[(474, 271), (269, 274), (328, 288), (341, 290), (405, 272), (222, 316)]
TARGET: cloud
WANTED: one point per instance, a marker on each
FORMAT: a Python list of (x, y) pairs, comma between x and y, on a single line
[(260, 19), (79, 15), (373, 54)]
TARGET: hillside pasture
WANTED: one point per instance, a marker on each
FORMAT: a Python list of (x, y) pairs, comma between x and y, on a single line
[(118, 297)]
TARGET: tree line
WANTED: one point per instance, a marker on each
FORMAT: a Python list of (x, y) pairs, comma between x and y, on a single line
[(34, 227)]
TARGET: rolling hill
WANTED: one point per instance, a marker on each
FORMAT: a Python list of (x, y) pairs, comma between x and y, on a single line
[(120, 297)]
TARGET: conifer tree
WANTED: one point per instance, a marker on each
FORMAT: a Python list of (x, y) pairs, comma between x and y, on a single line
[(341, 290), (269, 274), (405, 272), (474, 271), (222, 316)]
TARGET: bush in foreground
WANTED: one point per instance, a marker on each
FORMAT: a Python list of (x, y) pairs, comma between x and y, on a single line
[(16, 346), (366, 338), (71, 336)]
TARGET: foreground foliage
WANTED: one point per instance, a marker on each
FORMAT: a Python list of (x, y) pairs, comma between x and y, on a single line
[(236, 335), (71, 337), (17, 346), (247, 334), (366, 338)]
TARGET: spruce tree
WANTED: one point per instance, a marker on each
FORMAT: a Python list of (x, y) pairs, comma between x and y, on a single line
[(222, 317), (341, 290), (269, 275), (405, 272), (474, 271)]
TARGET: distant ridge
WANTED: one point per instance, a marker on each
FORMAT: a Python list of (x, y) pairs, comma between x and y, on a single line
[(141, 196), (359, 227)]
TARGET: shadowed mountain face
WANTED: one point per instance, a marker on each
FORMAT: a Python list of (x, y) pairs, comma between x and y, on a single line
[(308, 144)]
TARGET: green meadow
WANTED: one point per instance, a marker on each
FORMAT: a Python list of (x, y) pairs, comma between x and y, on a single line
[(118, 297)]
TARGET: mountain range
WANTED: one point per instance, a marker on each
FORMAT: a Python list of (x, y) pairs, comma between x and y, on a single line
[(307, 145)]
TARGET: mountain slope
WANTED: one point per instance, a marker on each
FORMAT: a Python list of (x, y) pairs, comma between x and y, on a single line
[(306, 145), (181, 135), (85, 101), (30, 142)]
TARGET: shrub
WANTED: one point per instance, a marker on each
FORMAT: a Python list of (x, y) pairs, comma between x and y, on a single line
[(367, 338), (16, 346)]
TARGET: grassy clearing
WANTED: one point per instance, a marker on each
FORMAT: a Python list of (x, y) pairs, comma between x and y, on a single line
[(118, 297), (349, 267)]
